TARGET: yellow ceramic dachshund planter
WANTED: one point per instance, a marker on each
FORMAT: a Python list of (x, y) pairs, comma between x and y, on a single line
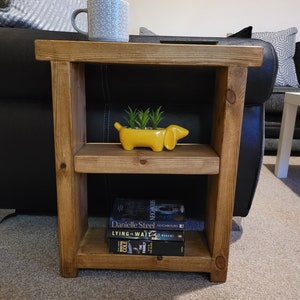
[(156, 139)]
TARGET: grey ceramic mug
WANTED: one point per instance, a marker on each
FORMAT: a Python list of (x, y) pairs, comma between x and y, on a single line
[(107, 20)]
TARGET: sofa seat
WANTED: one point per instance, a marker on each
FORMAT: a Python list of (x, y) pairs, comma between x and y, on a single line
[(273, 118), (274, 110)]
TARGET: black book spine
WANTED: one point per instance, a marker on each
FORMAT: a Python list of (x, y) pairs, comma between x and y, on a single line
[(146, 247), (144, 234)]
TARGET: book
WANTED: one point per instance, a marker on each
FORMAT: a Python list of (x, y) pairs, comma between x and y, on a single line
[(146, 247), (147, 214), (145, 234)]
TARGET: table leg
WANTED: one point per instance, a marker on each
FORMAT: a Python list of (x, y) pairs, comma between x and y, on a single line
[(285, 139)]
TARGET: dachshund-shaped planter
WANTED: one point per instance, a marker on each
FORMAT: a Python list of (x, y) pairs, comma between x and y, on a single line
[(156, 139)]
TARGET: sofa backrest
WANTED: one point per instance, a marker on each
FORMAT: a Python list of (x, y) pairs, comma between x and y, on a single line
[(22, 76)]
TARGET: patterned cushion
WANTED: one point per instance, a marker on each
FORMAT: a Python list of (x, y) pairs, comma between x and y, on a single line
[(284, 44), (41, 14)]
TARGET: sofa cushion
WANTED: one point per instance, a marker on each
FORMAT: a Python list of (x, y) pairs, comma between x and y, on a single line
[(243, 33), (284, 44), (297, 60), (275, 103)]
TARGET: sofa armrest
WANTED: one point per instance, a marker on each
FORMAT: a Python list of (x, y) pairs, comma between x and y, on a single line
[(260, 80)]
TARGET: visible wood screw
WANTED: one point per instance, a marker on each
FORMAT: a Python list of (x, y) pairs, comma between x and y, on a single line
[(159, 258)]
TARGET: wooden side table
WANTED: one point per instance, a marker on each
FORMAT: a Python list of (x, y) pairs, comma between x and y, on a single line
[(84, 247), (291, 103)]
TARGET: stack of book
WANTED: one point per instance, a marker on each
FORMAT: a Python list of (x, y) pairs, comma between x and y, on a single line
[(151, 227)]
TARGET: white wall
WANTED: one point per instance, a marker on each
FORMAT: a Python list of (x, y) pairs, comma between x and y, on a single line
[(212, 17)]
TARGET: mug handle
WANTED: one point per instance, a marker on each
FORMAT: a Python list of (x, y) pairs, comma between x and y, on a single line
[(73, 17)]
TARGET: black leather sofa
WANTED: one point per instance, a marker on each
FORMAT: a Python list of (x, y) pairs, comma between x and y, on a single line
[(26, 131)]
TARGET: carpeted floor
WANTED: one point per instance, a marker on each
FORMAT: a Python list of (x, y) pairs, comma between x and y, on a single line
[(264, 257)]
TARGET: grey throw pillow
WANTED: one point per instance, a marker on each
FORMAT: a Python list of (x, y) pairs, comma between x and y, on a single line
[(41, 14), (284, 42)]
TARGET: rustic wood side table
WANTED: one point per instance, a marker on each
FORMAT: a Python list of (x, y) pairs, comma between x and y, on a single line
[(84, 247)]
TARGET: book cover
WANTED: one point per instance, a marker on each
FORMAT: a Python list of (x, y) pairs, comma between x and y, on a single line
[(146, 247), (147, 214), (144, 234)]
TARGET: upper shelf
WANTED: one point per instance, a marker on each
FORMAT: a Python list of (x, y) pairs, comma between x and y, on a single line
[(111, 158), (149, 53)]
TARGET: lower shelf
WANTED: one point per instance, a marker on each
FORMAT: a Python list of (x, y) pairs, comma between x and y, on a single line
[(93, 254)]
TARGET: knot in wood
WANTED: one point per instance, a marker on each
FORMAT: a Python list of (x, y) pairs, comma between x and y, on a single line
[(143, 161), (63, 165), (230, 96), (220, 262)]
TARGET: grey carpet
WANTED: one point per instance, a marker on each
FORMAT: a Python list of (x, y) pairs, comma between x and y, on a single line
[(264, 257), (6, 213)]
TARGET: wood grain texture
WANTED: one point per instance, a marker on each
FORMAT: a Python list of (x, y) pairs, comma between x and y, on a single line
[(69, 134), (147, 53), (93, 253), (227, 125), (111, 158)]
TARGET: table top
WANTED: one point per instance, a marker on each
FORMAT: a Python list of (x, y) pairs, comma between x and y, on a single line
[(149, 53)]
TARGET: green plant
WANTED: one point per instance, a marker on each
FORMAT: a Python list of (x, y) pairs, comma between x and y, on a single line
[(143, 117), (156, 117), (131, 117), (140, 118)]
